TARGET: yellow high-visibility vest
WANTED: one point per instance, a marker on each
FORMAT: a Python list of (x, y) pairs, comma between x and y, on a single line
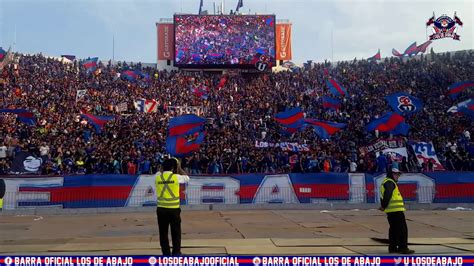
[(167, 190), (396, 202), (1, 204)]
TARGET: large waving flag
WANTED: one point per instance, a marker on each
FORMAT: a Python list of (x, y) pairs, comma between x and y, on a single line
[(146, 106), (90, 64), (179, 146), (411, 50), (291, 118), (23, 115), (455, 89), (375, 57), (404, 103), (422, 47), (396, 53), (185, 125), (336, 88), (331, 103), (466, 107), (324, 129), (391, 122)]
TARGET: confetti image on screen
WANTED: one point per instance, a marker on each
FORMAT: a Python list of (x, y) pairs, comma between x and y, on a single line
[(223, 41)]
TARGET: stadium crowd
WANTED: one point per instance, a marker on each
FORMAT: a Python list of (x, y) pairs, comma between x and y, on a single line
[(199, 39), (238, 114)]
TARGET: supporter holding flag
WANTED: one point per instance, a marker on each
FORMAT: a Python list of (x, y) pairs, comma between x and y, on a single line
[(336, 88), (331, 103), (457, 88), (324, 129), (404, 103), (392, 123), (90, 64), (22, 115), (97, 121), (239, 5)]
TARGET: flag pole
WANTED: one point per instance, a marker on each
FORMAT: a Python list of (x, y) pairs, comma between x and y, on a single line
[(14, 39), (113, 48), (332, 45)]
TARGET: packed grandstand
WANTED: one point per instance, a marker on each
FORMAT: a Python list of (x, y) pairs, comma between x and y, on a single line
[(240, 116)]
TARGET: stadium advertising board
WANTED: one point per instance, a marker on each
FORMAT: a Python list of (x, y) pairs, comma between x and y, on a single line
[(283, 42), (165, 41), (223, 41)]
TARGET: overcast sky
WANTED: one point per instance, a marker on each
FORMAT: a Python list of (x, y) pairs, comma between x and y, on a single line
[(85, 27)]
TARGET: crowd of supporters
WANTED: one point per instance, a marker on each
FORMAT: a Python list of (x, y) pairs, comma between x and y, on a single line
[(238, 114)]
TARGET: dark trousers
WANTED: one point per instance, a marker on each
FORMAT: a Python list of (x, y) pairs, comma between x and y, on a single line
[(166, 218), (398, 232)]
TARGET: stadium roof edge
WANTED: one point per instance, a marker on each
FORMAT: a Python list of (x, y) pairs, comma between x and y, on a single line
[(170, 20)]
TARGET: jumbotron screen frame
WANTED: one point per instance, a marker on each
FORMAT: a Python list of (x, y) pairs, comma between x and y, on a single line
[(222, 66)]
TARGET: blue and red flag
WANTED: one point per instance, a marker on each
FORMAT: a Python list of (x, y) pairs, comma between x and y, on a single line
[(3, 53), (404, 103), (324, 129), (180, 146), (133, 75), (90, 64), (375, 57), (336, 88), (391, 122), (22, 115), (455, 89), (129, 75), (331, 103), (291, 118), (465, 107), (422, 47), (97, 121), (185, 125), (411, 50)]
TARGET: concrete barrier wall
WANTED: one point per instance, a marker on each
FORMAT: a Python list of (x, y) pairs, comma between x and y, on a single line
[(103, 191)]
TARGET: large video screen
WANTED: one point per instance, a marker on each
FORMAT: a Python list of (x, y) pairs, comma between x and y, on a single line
[(224, 41)]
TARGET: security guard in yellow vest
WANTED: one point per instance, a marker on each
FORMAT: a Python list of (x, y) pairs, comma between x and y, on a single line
[(2, 192), (392, 204), (168, 205)]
